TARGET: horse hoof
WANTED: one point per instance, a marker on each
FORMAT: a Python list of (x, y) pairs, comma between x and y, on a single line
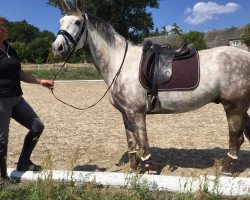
[(149, 167), (229, 166)]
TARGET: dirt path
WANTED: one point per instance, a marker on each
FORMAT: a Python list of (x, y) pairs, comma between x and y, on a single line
[(181, 144)]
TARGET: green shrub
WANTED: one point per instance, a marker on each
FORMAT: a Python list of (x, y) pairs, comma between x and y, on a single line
[(67, 73)]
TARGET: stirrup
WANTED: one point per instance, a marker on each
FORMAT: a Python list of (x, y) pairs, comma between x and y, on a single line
[(154, 104)]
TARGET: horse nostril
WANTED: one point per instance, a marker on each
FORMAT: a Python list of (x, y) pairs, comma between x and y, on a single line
[(60, 48)]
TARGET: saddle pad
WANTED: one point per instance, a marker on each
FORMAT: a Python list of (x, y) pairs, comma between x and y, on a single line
[(185, 76)]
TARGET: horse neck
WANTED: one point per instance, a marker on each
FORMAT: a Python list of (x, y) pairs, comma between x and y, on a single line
[(106, 57)]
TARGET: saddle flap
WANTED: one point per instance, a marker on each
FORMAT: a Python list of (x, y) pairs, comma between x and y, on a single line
[(162, 63), (157, 65), (165, 68)]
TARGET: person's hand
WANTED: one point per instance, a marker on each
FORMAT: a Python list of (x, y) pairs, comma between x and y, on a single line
[(46, 83)]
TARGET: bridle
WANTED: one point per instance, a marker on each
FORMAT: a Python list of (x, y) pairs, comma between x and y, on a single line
[(67, 36)]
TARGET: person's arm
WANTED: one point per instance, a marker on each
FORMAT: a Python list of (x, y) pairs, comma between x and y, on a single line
[(28, 78)]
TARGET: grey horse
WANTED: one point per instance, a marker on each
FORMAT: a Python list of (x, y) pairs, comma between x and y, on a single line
[(224, 78)]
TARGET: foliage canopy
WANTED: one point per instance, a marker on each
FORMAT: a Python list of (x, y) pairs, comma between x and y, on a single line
[(31, 44), (246, 36), (195, 39)]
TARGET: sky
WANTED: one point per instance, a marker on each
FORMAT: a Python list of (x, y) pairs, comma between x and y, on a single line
[(202, 15), (187, 14)]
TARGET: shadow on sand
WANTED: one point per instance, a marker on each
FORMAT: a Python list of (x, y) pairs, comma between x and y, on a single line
[(191, 158), (184, 158)]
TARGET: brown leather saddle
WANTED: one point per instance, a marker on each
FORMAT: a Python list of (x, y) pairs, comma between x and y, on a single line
[(164, 69)]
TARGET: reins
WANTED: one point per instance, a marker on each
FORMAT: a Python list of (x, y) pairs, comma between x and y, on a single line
[(115, 77)]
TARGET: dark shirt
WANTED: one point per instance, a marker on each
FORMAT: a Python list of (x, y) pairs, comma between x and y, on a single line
[(10, 73)]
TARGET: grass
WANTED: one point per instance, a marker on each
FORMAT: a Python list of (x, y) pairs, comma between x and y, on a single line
[(64, 191), (67, 73)]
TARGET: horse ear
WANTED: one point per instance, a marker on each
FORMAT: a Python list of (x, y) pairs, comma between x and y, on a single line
[(65, 6), (79, 4)]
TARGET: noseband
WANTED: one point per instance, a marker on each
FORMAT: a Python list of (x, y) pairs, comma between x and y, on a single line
[(68, 37)]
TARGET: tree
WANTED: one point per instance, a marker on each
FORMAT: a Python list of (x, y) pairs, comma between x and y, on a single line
[(129, 18), (175, 29), (157, 32), (195, 39), (154, 33), (31, 44), (21, 31), (164, 31), (78, 57), (39, 47), (246, 36), (21, 49)]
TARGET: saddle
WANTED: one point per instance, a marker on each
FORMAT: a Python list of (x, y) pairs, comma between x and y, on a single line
[(156, 69)]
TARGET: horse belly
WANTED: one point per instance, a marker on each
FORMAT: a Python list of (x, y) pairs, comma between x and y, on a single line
[(179, 102)]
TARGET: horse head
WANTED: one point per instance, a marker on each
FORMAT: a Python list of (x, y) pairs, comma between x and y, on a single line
[(73, 32)]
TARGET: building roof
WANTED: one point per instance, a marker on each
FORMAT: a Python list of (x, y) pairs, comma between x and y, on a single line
[(165, 40), (217, 38)]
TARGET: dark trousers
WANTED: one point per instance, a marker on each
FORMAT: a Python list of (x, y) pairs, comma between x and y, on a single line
[(18, 109)]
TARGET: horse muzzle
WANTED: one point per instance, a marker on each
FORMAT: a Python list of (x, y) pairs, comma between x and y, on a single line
[(61, 49)]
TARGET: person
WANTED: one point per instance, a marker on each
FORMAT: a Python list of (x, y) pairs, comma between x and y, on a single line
[(13, 105)]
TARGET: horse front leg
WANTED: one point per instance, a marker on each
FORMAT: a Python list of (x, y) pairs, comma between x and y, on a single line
[(235, 120), (136, 132), (132, 144)]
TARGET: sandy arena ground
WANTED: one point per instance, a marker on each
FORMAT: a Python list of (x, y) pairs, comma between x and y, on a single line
[(181, 144)]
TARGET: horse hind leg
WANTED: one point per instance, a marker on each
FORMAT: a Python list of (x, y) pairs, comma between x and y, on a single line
[(246, 126), (235, 116)]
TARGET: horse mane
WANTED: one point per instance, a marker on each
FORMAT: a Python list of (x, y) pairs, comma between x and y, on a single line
[(104, 29)]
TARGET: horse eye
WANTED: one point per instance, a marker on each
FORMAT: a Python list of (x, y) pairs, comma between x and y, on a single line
[(78, 22)]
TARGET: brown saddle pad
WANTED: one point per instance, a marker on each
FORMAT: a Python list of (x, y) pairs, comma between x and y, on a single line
[(185, 75)]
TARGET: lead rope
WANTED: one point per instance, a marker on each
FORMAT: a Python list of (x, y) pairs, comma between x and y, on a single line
[(85, 108)]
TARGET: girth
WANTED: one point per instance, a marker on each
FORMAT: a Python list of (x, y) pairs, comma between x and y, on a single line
[(156, 67)]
